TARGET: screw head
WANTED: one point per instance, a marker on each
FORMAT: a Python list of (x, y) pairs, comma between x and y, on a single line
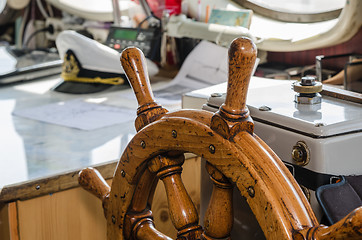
[(301, 153), (297, 154), (216, 94), (319, 124), (264, 108), (123, 173), (212, 149), (308, 81), (174, 134), (251, 191), (143, 144)]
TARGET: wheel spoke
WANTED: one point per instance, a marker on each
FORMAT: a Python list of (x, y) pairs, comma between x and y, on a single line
[(219, 216), (139, 213), (183, 212), (145, 187), (145, 230)]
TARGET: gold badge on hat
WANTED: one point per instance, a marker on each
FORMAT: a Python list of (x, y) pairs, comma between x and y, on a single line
[(71, 71)]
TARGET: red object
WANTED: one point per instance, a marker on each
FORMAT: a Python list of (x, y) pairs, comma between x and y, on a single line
[(173, 6), (158, 6), (117, 46)]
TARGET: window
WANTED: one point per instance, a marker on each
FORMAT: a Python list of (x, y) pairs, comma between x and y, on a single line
[(300, 11)]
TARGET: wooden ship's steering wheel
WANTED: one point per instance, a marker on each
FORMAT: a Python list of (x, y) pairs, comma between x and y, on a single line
[(234, 155)]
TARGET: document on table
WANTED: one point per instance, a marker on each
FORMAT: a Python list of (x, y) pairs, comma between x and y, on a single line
[(79, 114), (206, 65)]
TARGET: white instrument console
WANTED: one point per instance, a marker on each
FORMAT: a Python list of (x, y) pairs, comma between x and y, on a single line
[(317, 142)]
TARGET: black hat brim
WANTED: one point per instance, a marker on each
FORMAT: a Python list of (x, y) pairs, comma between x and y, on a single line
[(80, 87)]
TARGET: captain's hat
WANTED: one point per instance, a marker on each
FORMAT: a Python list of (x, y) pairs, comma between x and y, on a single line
[(89, 66)]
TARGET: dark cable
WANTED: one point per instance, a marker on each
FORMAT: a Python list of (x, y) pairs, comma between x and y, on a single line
[(47, 29), (149, 13)]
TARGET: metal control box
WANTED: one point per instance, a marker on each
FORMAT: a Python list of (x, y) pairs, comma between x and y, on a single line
[(317, 142)]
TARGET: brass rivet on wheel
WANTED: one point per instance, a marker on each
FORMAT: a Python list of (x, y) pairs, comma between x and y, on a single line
[(143, 144), (174, 134), (251, 191), (123, 173), (113, 219), (212, 149)]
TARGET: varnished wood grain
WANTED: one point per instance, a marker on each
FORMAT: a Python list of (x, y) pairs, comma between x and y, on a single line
[(52, 184), (242, 56), (183, 212), (134, 65), (9, 221), (233, 115), (71, 214), (228, 159), (4, 222), (350, 227), (136, 70), (13, 221), (191, 179), (224, 155), (91, 180), (234, 155), (219, 216), (46, 216), (145, 188), (147, 231)]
